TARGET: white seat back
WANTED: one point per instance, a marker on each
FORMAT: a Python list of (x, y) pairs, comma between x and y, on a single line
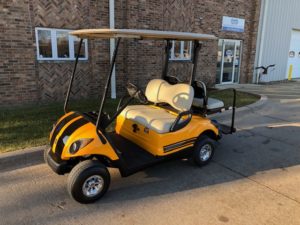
[(179, 96)]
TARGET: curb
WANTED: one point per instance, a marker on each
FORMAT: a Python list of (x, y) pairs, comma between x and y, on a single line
[(21, 158), (32, 156)]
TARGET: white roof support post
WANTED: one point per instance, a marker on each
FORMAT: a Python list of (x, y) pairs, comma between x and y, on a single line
[(112, 46)]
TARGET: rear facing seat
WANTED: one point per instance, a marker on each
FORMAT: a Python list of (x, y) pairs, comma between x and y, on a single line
[(212, 104)]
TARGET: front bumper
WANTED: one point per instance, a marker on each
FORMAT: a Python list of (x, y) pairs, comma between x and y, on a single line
[(57, 165)]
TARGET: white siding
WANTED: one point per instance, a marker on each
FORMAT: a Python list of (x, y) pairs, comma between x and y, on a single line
[(282, 17)]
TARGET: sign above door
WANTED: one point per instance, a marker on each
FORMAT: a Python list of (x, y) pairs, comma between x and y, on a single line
[(233, 24)]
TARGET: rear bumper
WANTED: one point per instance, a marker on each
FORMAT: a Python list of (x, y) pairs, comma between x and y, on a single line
[(57, 165), (223, 129)]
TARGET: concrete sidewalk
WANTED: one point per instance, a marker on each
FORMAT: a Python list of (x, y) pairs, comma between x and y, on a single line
[(277, 91)]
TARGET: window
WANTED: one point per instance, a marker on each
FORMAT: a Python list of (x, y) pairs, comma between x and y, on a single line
[(45, 45), (62, 40), (57, 44), (181, 50)]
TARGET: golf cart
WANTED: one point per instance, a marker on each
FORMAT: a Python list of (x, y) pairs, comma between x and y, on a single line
[(170, 121)]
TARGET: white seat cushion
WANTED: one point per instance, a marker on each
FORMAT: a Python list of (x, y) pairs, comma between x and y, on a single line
[(179, 96), (151, 117), (212, 103)]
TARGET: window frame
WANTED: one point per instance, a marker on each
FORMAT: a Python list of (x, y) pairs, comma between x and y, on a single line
[(181, 58), (54, 47)]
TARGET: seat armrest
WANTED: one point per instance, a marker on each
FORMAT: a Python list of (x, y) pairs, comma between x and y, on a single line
[(178, 124)]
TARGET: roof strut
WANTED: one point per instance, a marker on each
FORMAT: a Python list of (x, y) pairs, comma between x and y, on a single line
[(196, 50), (112, 64), (167, 57), (72, 76)]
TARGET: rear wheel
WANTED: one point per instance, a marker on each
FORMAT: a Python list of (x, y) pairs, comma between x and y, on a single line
[(88, 181), (204, 150)]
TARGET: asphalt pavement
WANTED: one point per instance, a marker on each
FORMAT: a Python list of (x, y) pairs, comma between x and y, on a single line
[(253, 179)]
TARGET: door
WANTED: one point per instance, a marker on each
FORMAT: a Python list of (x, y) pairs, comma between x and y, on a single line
[(229, 58), (293, 69)]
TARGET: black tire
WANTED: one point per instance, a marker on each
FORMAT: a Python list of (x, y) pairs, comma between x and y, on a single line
[(81, 173), (203, 142), (46, 152)]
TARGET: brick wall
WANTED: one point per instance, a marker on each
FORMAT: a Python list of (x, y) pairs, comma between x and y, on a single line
[(18, 81), (53, 76), (24, 79), (200, 16)]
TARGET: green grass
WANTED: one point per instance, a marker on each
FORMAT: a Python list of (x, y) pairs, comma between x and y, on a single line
[(242, 98), (29, 126)]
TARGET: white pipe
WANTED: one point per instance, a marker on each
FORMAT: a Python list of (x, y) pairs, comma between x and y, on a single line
[(112, 46), (261, 36)]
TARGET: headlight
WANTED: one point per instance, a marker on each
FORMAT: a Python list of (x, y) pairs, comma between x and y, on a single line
[(79, 144), (65, 139)]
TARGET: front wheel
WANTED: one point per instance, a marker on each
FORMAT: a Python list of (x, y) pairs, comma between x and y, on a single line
[(88, 181), (204, 150)]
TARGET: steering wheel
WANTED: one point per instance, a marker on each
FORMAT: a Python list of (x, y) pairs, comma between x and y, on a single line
[(136, 92)]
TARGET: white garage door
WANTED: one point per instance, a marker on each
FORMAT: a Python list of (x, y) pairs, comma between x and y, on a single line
[(294, 56)]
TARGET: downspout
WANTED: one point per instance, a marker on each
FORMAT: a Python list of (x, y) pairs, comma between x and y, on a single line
[(260, 38), (112, 47)]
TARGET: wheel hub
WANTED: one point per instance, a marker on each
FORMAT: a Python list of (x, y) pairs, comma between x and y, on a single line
[(205, 152), (93, 186)]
